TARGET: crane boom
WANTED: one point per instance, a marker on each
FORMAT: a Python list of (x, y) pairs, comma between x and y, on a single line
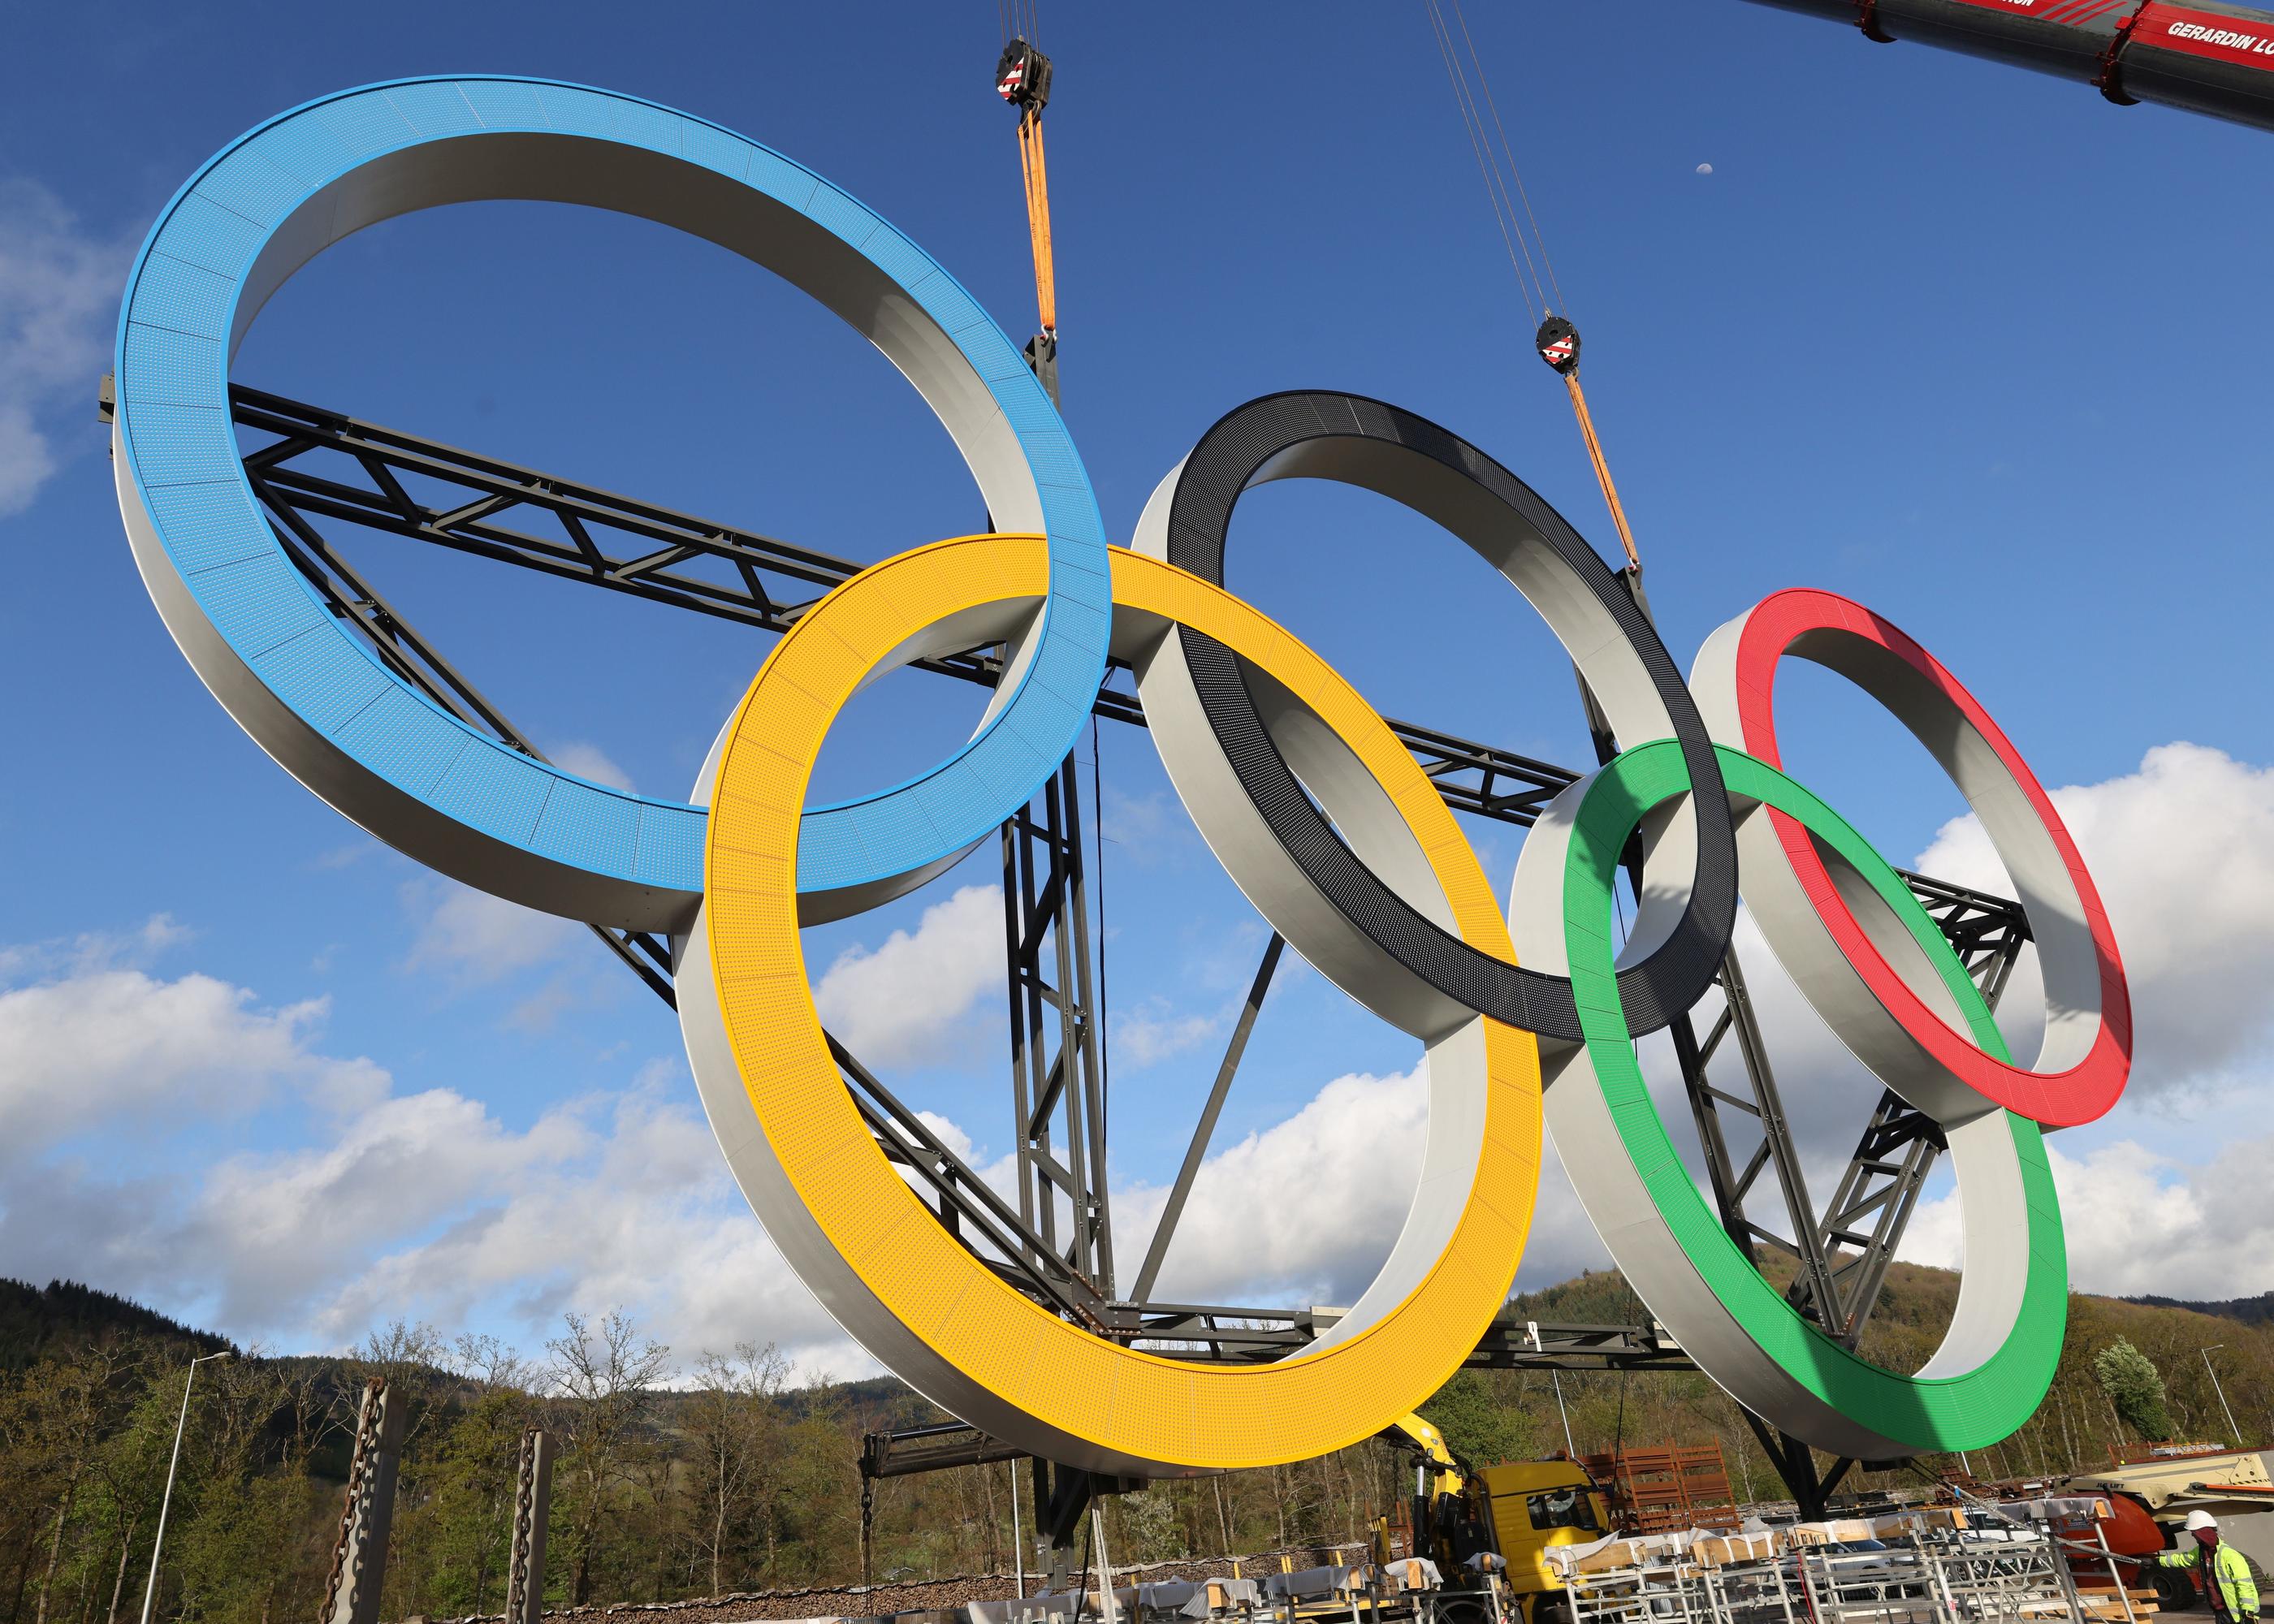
[(2204, 57)]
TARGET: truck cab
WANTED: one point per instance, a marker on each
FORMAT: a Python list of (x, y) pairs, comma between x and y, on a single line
[(1536, 1506)]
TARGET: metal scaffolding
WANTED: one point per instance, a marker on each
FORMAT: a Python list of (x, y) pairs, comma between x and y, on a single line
[(1056, 1243)]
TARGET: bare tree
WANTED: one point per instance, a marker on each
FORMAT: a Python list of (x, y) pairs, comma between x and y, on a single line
[(410, 1357), (492, 1367), (603, 1378), (733, 1425)]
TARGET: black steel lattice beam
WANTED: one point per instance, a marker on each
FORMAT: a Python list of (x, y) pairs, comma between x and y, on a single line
[(1478, 778), (1056, 1062), (320, 464), (964, 1198)]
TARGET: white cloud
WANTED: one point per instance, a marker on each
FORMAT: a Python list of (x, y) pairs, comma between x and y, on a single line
[(424, 1202), (896, 1005), (951, 1133), (1001, 1175), (2194, 917), (471, 933), (428, 1203), (589, 761), (1305, 1212), (58, 286), (2139, 1222), (92, 949), (1153, 1032), (114, 1050), (615, 1200), (2183, 854)]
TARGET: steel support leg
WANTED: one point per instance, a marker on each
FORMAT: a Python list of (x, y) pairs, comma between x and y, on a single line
[(1064, 1496), (1197, 1151), (1056, 1078)]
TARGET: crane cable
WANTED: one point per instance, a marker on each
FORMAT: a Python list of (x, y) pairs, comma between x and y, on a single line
[(1556, 339)]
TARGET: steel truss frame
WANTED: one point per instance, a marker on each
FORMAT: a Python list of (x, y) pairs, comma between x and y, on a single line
[(319, 464), (1057, 1074), (1841, 1256)]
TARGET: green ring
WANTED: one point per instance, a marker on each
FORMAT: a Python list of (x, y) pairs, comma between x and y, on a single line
[(1963, 1411)]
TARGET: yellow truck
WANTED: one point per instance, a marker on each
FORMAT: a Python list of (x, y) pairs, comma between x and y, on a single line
[(1518, 1511), (1534, 1506)]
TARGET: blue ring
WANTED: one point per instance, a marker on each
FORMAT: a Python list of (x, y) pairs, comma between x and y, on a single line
[(172, 368)]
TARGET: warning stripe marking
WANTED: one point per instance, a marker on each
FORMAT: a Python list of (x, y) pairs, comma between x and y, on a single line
[(2073, 13)]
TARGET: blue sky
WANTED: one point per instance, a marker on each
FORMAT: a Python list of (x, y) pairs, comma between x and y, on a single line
[(1975, 348)]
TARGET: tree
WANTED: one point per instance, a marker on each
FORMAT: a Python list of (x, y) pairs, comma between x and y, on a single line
[(1478, 1425), (456, 1536), (735, 1429), (607, 1380), (2134, 1386)]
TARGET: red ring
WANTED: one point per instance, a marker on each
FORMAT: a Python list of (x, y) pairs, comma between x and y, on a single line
[(2055, 1099)]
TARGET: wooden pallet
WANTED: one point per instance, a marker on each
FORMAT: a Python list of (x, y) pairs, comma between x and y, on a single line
[(1667, 1488)]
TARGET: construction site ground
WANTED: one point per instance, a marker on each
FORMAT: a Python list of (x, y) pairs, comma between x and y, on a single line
[(921, 1595)]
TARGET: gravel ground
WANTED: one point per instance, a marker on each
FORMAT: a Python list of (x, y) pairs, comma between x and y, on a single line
[(913, 1596)]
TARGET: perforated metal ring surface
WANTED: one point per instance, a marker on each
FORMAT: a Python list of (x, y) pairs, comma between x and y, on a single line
[(1684, 927), (321, 703)]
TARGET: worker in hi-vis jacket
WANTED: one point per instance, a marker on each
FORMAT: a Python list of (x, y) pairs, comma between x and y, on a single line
[(2227, 1585)]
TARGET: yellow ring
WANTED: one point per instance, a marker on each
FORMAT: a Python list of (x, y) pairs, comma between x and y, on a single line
[(1089, 1401)]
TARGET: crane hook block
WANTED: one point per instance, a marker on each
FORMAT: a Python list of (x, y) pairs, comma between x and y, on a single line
[(1558, 343), (1023, 77)]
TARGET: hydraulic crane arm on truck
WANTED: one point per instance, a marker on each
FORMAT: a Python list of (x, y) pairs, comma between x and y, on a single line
[(1515, 1511), (2205, 57)]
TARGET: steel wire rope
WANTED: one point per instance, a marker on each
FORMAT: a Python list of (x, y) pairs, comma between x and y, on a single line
[(1619, 1428), (1105, 1050), (1487, 168), (1505, 189), (1081, 1594), (1563, 306), (1496, 189)]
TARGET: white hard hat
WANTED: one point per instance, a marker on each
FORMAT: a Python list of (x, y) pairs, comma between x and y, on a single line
[(2201, 1520)]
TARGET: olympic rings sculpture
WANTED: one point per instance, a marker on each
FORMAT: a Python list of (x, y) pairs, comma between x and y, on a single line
[(1324, 821), (416, 775)]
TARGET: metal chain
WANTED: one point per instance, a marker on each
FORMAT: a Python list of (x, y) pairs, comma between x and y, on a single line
[(525, 1496), (366, 1445), (868, 1523)]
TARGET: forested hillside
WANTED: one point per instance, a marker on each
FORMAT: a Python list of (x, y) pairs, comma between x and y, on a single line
[(693, 1472), (2250, 1310)]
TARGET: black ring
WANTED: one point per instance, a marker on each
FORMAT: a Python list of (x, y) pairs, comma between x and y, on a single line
[(1415, 458)]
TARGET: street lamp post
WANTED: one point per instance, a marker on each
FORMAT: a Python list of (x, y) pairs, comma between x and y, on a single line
[(2233, 1431), (157, 1544)]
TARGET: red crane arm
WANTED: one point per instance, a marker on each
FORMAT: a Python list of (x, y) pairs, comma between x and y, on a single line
[(2205, 57)]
